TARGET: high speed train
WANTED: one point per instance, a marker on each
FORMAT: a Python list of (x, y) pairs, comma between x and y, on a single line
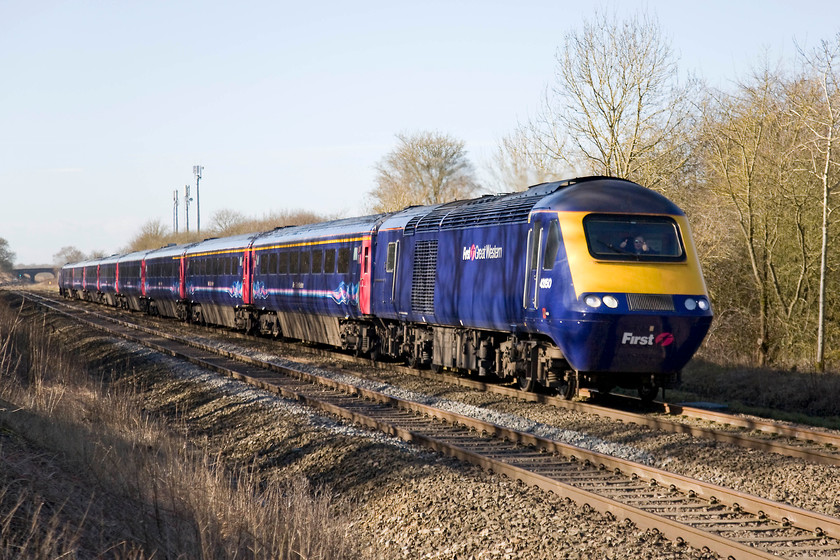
[(589, 282)]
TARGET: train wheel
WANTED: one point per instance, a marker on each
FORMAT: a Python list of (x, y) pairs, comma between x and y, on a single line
[(604, 388), (568, 388), (648, 392), (527, 383)]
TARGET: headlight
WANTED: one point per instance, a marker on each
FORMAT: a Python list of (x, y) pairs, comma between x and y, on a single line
[(690, 304), (703, 304), (592, 301), (611, 302)]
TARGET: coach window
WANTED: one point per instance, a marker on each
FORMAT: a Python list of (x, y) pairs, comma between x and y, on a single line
[(305, 258), (294, 262), (272, 263), (552, 245), (317, 261), (344, 260), (329, 261), (283, 263), (234, 265), (263, 263)]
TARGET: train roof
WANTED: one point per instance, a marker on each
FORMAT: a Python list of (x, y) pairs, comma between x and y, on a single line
[(135, 256), (398, 220), (608, 195), (322, 230), (592, 194), (110, 259), (486, 211), (169, 251), (214, 245), (76, 264)]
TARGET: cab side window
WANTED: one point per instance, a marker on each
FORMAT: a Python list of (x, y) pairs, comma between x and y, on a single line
[(552, 245)]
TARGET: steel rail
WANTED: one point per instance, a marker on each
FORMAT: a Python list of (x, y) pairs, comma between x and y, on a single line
[(671, 426), (815, 523), (742, 440)]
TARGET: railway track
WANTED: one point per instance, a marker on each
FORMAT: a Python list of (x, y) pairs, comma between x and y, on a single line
[(703, 515), (816, 446)]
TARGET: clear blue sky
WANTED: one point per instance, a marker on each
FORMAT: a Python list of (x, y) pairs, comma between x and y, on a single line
[(105, 106)]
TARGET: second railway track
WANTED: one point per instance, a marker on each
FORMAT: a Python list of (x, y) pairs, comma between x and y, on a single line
[(728, 522)]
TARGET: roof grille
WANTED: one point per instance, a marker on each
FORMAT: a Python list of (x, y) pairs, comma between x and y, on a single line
[(650, 302), (489, 210)]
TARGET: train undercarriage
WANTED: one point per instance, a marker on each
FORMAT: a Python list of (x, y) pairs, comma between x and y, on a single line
[(533, 362)]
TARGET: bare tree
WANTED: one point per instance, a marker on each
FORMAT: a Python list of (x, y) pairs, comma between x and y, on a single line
[(153, 234), (7, 256), (520, 161), (226, 222), (816, 100), (750, 143), (424, 168), (67, 254), (617, 107)]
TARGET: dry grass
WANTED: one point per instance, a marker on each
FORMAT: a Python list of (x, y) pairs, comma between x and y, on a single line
[(806, 397), (86, 474)]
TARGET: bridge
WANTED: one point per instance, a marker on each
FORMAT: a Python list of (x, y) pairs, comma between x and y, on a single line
[(31, 274)]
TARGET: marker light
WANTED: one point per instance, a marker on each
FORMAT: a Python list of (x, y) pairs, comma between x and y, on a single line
[(690, 304), (611, 302), (702, 304), (592, 301)]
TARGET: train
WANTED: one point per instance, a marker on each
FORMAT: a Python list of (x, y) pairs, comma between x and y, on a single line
[(592, 282)]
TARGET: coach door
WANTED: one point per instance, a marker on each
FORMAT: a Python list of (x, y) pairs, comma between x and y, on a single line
[(364, 281), (182, 277), (543, 248), (247, 269), (531, 292), (143, 277), (390, 280)]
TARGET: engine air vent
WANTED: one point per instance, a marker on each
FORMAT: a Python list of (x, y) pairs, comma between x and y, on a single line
[(423, 283)]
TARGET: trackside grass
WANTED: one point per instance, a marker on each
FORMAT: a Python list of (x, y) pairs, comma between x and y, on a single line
[(86, 473), (795, 396)]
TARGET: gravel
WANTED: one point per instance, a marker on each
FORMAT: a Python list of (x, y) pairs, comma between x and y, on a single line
[(402, 501), (406, 502)]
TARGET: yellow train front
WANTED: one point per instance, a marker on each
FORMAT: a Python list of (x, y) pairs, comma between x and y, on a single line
[(614, 280)]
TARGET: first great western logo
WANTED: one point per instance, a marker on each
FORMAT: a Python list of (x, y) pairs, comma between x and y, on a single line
[(480, 253)]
